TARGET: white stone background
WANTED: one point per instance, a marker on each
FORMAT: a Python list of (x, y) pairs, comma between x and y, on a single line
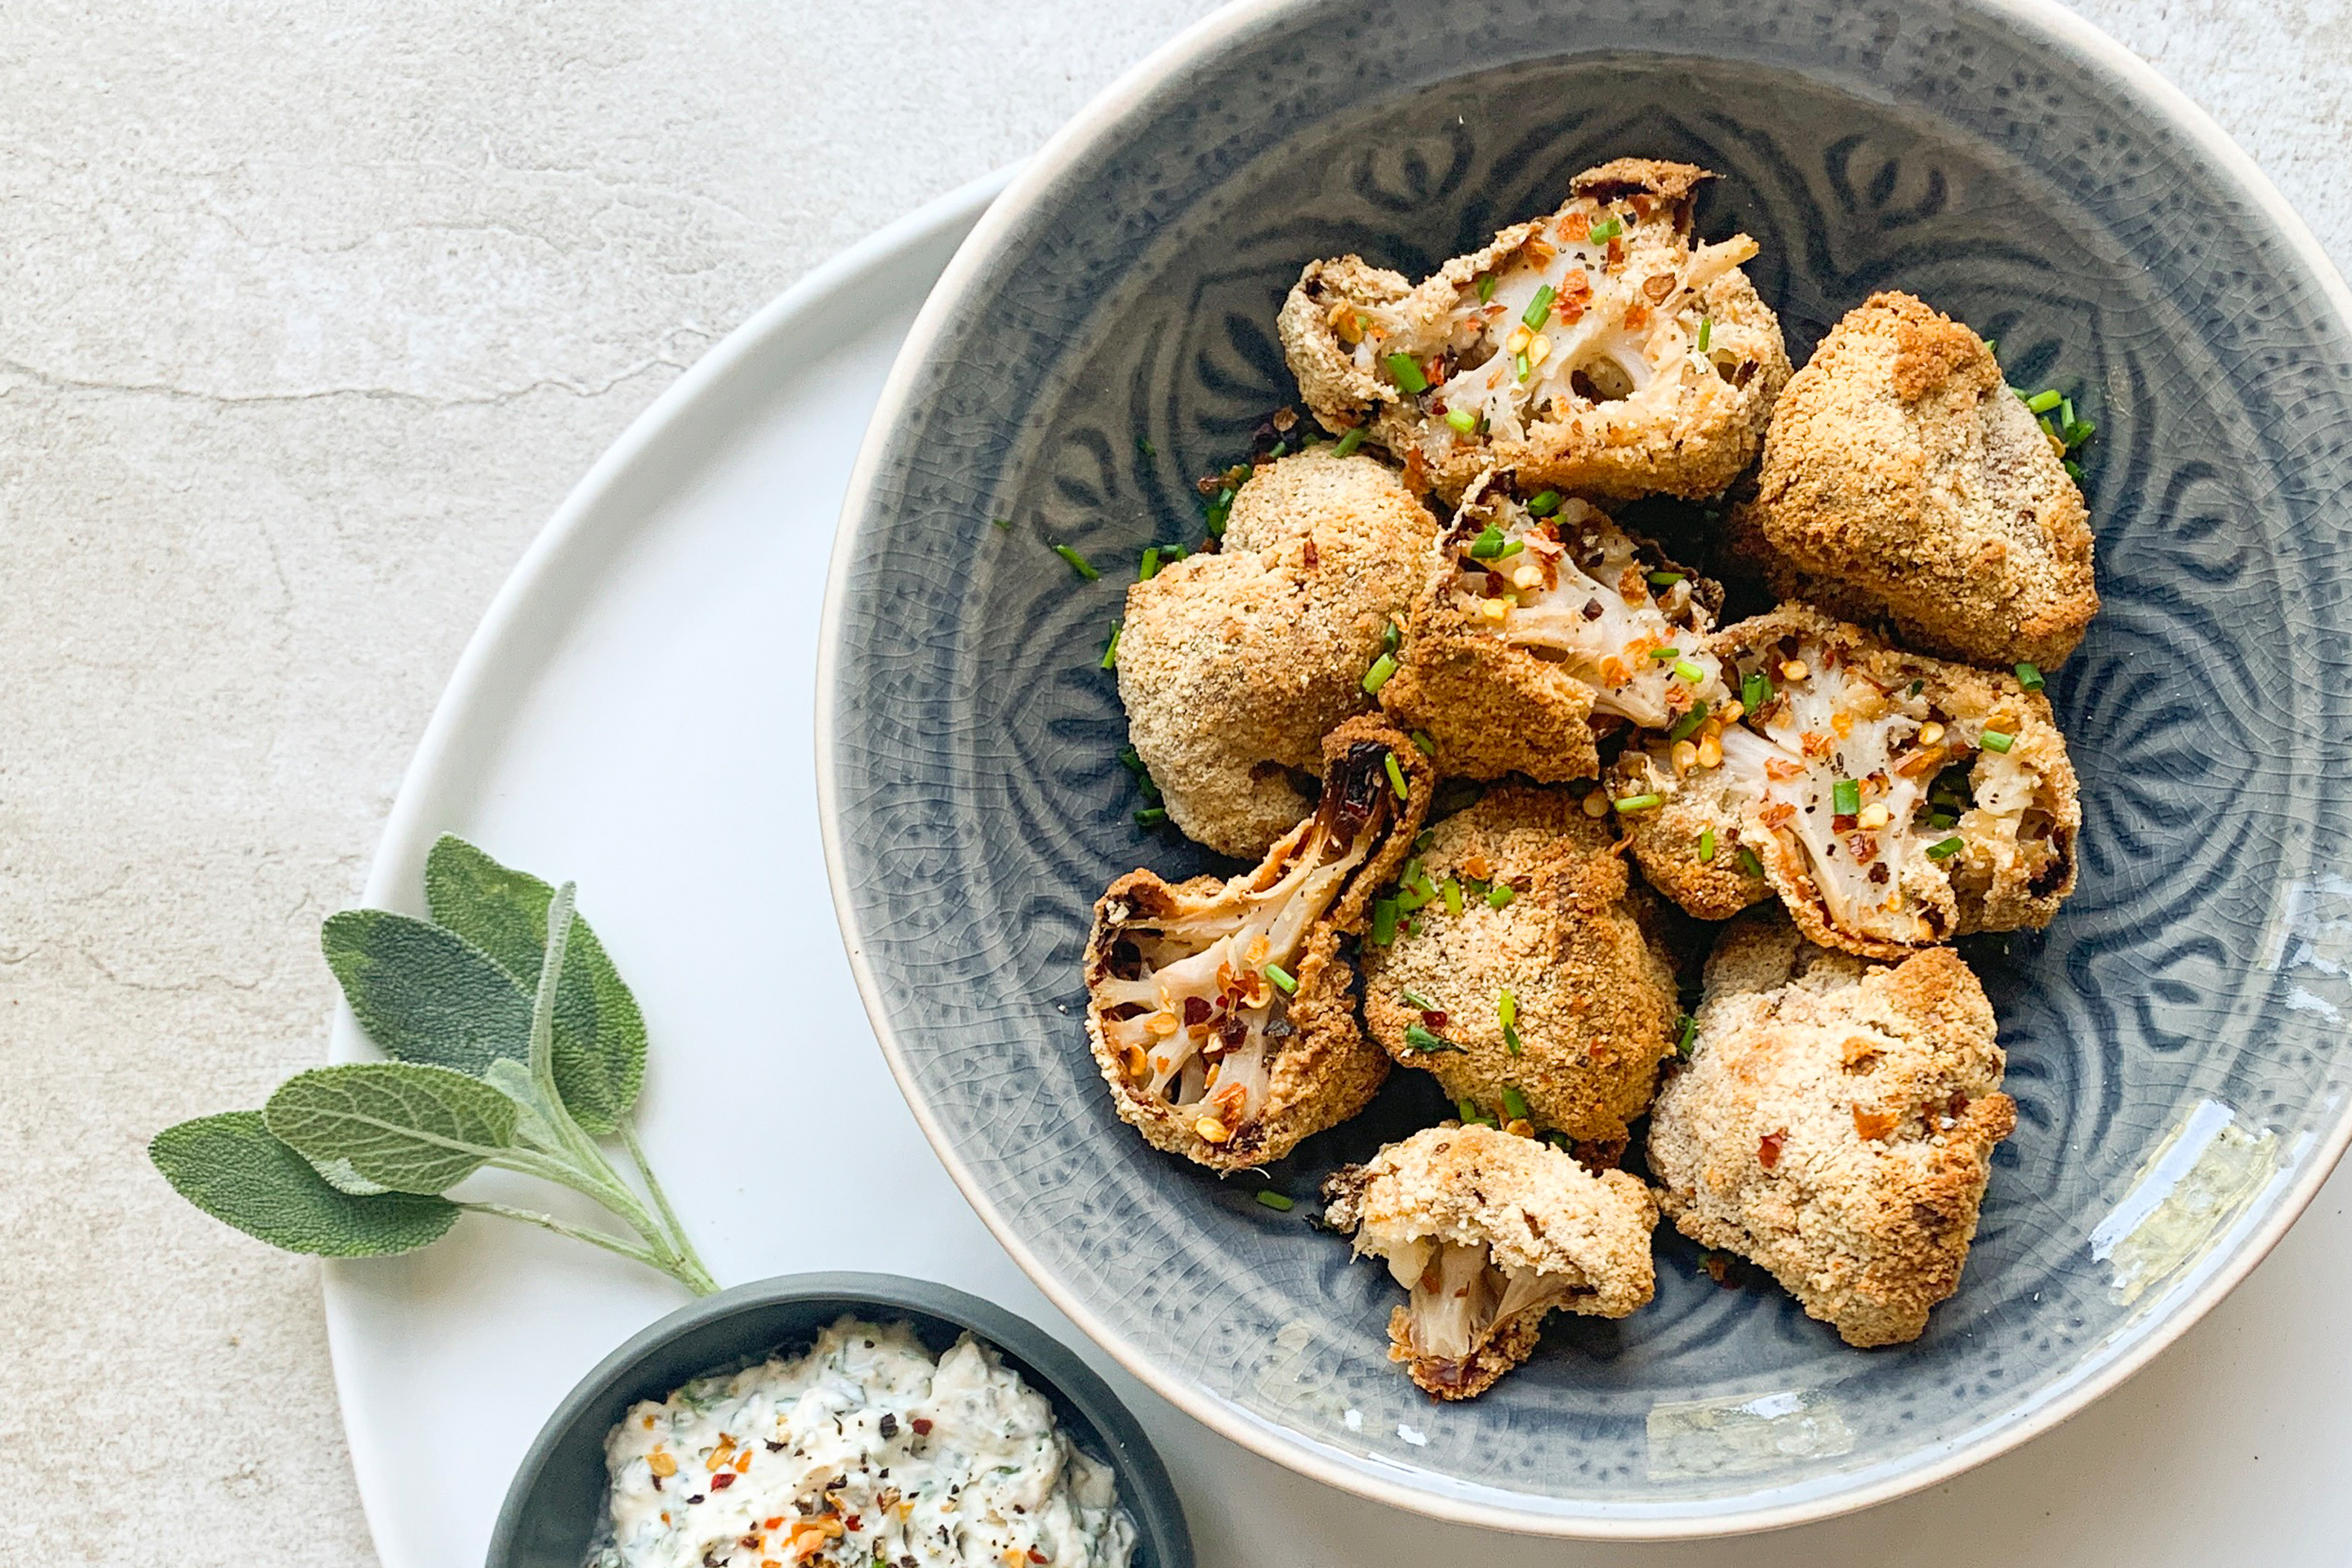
[(309, 314)]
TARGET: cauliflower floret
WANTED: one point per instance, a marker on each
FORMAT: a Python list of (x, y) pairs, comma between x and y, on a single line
[(1489, 1232), (1835, 1124), (1222, 1013), (1891, 800), (1536, 636), (1234, 666), (1547, 1003), (1596, 350), (1901, 471)]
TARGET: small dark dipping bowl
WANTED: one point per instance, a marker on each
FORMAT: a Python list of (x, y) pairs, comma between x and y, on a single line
[(555, 1505)]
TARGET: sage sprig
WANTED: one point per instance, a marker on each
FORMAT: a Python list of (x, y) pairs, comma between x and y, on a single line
[(514, 1044)]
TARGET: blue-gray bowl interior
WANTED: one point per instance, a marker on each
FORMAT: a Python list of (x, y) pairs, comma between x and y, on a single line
[(2174, 1038), (555, 1505)]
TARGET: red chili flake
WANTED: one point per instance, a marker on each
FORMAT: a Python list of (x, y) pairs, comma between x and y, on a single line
[(1843, 822), (1312, 556), (1038, 1556), (922, 1426), (1637, 316), (1575, 294), (1767, 1149), (1616, 254), (1864, 847), (852, 1524), (1435, 1020), (1233, 1033), (722, 1481), (1196, 1011), (1779, 812)]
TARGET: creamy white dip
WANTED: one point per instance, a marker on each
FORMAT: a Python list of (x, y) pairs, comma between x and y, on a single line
[(867, 1452)]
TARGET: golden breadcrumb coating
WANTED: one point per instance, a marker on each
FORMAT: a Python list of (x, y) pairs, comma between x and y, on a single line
[(1535, 637), (1965, 812), (1234, 666), (1594, 1006), (1222, 1013), (1901, 468), (1835, 1124), (1607, 393), (1489, 1232)]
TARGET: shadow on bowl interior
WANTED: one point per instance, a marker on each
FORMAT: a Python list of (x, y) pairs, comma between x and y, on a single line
[(555, 1504)]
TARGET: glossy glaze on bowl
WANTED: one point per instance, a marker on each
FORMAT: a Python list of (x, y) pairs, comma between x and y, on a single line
[(2174, 1038), (555, 1504)]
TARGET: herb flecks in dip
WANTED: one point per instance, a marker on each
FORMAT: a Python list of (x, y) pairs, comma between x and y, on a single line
[(863, 1451)]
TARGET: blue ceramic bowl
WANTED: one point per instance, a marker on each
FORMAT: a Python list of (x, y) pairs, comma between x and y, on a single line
[(555, 1503), (2175, 1039)]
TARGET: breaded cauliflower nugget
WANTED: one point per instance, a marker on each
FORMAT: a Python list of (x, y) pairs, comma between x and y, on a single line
[(1902, 470), (1891, 800), (1544, 628), (1489, 1232), (1547, 998), (1222, 1013), (1234, 666), (1836, 1124), (1596, 350)]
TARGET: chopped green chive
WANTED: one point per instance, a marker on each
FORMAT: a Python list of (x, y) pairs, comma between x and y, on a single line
[(1396, 775), (2078, 431), (1146, 448), (1405, 371), (1418, 1000), (1705, 332), (1283, 979), (1748, 863), (1664, 579), (1422, 1039), (1428, 747), (1607, 229), (1544, 505), (1111, 651), (1688, 725), (1151, 817), (1992, 345), (1664, 654), (1350, 440), (1917, 687), (1275, 1201), (1462, 419), (1488, 545), (1378, 676), (1522, 367), (2029, 676), (1472, 1115), (1684, 1033), (1500, 896), (1485, 288), (1384, 919), (1391, 634), (1078, 563), (1513, 548), (1997, 741), (1537, 307), (1004, 522), (1514, 1104), (1706, 845), (2044, 401), (1845, 797), (1755, 690), (1944, 851), (1278, 451), (1640, 802), (1940, 820), (1689, 671), (1149, 567), (2074, 471), (1506, 1008), (1132, 761), (2066, 414), (1452, 890)]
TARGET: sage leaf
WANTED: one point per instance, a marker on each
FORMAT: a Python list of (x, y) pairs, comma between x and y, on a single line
[(403, 1125), (599, 1034), (230, 1167), (344, 1178), (427, 995)]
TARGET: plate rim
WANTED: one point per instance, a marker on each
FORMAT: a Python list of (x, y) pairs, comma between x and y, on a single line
[(1066, 150), (472, 679)]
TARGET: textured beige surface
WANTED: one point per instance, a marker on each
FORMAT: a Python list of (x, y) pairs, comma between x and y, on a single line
[(308, 316)]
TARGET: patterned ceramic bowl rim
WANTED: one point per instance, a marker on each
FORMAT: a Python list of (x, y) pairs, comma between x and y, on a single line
[(1079, 142)]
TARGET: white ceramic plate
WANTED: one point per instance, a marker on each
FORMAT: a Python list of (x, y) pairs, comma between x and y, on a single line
[(636, 713)]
